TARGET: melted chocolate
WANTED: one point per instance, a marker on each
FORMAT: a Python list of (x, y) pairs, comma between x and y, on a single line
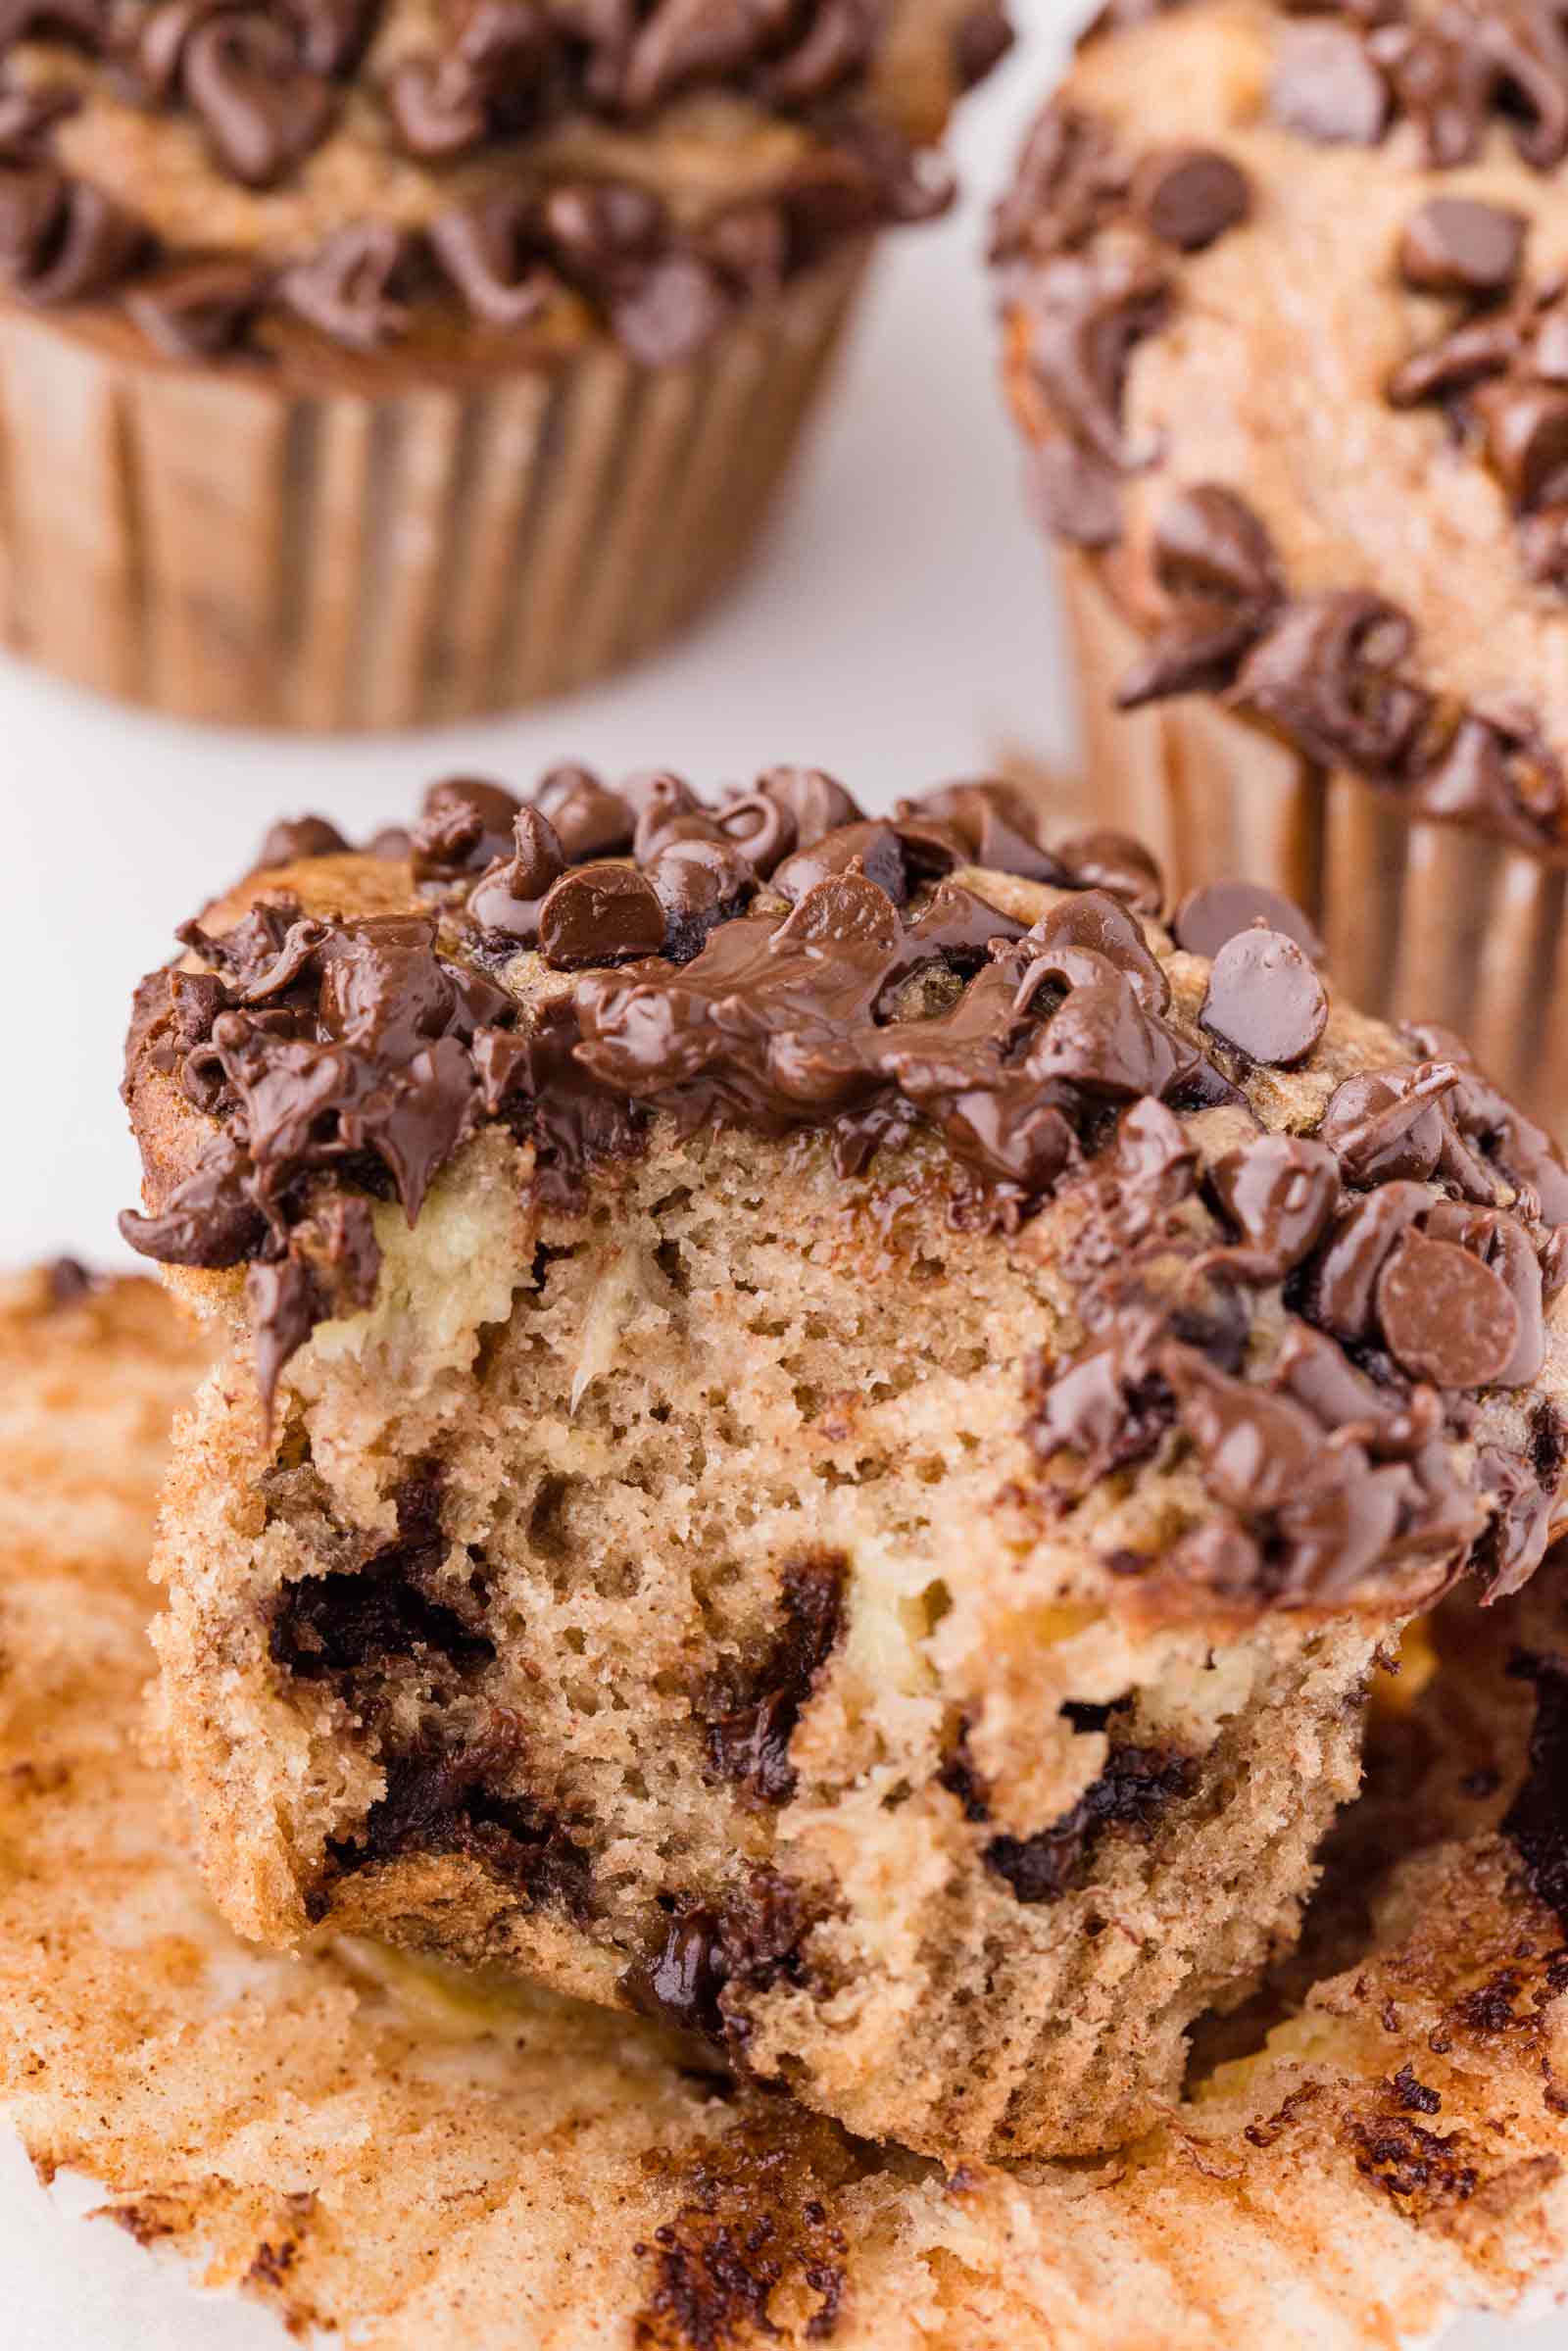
[(1410, 1245)]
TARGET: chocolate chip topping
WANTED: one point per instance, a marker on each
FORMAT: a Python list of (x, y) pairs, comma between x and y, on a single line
[(296, 837), (1189, 196), (1455, 246), (1265, 998), (1445, 1315), (1402, 1254), (1090, 269), (1326, 85), (1216, 911), (261, 106), (269, 84), (600, 915)]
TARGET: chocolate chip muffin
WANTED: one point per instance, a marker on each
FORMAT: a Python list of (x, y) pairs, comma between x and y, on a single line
[(823, 1420), (372, 361), (1284, 305), (383, 2150)]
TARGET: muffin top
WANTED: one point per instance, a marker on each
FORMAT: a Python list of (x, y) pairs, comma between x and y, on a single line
[(1265, 1240), (1286, 324), (388, 171)]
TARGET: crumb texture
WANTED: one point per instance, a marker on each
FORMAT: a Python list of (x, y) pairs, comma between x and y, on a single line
[(380, 2148)]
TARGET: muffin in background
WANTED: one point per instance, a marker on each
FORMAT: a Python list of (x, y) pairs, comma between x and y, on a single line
[(365, 362), (1285, 332)]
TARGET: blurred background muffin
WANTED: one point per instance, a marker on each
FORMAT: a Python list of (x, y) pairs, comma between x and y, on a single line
[(1285, 333), (361, 366)]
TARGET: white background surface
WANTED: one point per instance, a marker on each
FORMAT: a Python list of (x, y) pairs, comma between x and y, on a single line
[(896, 631)]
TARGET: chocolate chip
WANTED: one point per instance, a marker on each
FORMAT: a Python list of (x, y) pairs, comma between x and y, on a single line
[(296, 837), (1074, 493), (507, 900), (1215, 911), (348, 288), (1265, 998), (872, 846), (1210, 544), (673, 306), (199, 308), (436, 107), (699, 884), (488, 251), (600, 915), (1326, 86), (1281, 1192), (1326, 673), (1455, 246), (1446, 1316), (263, 109), (589, 820), (817, 802), (762, 828), (1115, 862), (1189, 196)]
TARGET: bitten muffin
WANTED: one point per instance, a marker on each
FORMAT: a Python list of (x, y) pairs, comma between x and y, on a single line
[(823, 1421), (381, 2150), (372, 361), (1285, 331)]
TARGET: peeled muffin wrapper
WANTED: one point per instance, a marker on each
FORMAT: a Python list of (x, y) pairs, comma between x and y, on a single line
[(406, 2156)]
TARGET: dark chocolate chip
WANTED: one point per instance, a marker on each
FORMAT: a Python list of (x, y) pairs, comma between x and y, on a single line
[(1326, 85), (1265, 998), (1456, 246), (1189, 196), (589, 820), (296, 837), (1214, 912), (1281, 1192)]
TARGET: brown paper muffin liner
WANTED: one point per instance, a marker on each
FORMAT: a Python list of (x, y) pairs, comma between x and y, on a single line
[(1422, 920), (369, 550)]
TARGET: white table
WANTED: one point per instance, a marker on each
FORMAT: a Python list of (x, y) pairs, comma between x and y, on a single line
[(896, 631)]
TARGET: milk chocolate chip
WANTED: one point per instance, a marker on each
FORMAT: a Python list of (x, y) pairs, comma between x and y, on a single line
[(1446, 1317), (600, 915)]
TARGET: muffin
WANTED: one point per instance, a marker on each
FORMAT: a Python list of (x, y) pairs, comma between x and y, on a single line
[(382, 2151), (1283, 291), (822, 1424), (365, 362)]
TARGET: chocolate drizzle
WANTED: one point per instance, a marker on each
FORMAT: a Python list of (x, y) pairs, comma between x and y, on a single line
[(779, 961)]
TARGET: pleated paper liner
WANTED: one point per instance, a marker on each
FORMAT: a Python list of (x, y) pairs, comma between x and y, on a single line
[(1422, 921), (359, 547)]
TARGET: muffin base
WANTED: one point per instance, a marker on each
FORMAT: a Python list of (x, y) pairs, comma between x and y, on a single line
[(1421, 919), (359, 548)]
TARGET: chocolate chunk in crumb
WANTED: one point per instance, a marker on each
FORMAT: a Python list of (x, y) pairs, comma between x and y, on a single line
[(1537, 1819), (1446, 1317), (1210, 915), (1137, 1784), (600, 915), (1265, 998), (1455, 246), (1189, 196)]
